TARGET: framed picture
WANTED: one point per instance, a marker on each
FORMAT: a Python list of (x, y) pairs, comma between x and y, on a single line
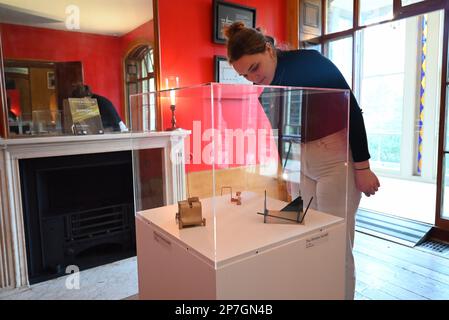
[(310, 19), (51, 81), (226, 13), (225, 73)]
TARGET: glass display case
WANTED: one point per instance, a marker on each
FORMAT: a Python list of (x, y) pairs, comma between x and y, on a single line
[(256, 220)]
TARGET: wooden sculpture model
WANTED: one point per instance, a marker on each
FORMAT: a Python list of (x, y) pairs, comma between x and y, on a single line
[(190, 213), (238, 194)]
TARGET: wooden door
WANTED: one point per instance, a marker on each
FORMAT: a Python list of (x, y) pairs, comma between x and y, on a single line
[(68, 75)]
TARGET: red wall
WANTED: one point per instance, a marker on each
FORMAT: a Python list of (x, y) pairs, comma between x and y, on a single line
[(101, 55), (187, 51), (185, 30), (144, 32)]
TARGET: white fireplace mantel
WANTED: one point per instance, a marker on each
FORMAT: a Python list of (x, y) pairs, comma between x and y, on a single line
[(13, 263)]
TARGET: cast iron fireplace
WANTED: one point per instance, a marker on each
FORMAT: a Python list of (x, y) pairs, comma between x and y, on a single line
[(78, 210)]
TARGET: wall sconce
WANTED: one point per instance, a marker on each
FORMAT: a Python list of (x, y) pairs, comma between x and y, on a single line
[(172, 103)]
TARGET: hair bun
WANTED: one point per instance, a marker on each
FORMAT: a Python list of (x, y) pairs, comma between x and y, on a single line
[(230, 31)]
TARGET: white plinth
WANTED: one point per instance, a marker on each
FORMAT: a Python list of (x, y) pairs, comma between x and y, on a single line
[(237, 256)]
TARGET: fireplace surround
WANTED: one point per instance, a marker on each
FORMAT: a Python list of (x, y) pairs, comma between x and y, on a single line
[(13, 239)]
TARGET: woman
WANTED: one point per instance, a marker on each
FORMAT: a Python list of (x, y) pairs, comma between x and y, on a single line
[(254, 56)]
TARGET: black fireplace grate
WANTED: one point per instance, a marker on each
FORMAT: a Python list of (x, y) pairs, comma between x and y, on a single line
[(97, 222), (78, 210)]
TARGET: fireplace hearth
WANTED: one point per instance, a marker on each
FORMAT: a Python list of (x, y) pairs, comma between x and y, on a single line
[(78, 210)]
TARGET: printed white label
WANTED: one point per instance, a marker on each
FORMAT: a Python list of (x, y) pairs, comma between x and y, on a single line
[(317, 239)]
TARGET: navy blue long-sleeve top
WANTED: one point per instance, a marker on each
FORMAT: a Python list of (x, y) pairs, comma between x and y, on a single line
[(308, 68)]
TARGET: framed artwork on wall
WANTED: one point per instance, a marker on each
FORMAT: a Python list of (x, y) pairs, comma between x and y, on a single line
[(310, 19), (225, 73), (51, 81), (226, 13)]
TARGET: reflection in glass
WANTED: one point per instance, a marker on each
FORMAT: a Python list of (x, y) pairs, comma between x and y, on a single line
[(46, 122), (340, 53), (46, 59), (148, 178), (339, 15), (142, 112), (375, 11)]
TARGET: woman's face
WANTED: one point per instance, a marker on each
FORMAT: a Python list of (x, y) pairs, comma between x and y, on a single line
[(258, 68)]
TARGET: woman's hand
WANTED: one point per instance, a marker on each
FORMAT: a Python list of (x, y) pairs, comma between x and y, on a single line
[(366, 181)]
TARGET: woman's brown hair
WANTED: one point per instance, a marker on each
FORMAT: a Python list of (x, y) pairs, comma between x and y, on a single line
[(244, 41)]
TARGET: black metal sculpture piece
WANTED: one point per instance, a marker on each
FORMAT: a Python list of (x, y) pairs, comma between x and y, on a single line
[(293, 212)]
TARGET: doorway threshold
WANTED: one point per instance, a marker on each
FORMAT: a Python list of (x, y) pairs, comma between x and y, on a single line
[(400, 230)]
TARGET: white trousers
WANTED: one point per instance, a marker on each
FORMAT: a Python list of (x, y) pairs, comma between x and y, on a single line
[(323, 176)]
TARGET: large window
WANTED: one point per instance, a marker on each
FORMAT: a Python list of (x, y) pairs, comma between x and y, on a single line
[(394, 66)]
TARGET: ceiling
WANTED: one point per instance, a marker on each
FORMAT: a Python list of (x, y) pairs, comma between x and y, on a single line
[(107, 17)]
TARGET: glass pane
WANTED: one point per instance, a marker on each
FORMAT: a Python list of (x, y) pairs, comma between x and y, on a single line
[(46, 58), (142, 112), (312, 46), (152, 105), (144, 68), (382, 91), (148, 182), (150, 61), (399, 85), (445, 211), (340, 53), (339, 15), (446, 141), (409, 2), (310, 20), (375, 11)]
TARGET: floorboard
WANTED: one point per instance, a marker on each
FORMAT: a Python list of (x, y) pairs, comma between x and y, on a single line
[(390, 271)]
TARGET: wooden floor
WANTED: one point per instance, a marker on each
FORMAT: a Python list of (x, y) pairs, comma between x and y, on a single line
[(389, 271)]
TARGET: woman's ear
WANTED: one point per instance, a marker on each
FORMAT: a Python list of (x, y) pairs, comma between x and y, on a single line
[(270, 50)]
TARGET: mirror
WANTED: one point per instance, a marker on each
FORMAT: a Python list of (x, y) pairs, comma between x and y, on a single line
[(52, 49)]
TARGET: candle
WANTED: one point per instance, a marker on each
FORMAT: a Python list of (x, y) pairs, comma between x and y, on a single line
[(172, 97)]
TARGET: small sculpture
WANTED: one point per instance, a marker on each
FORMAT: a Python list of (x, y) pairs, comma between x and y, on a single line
[(293, 212), (190, 213), (238, 200), (238, 194)]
